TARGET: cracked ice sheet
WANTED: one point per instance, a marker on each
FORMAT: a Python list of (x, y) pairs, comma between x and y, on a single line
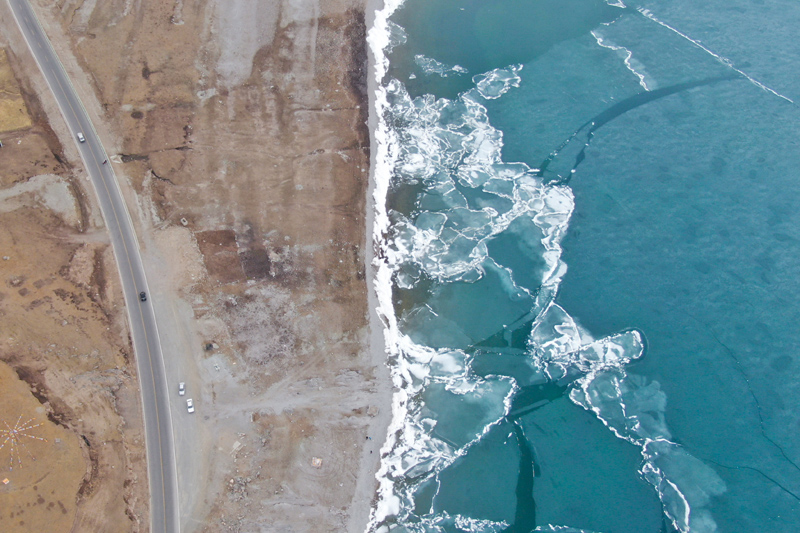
[(632, 408)]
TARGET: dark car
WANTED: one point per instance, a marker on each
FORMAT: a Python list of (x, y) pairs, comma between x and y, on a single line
[(143, 296)]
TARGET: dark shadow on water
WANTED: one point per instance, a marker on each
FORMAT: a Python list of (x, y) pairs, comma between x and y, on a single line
[(533, 397), (556, 167), (525, 515)]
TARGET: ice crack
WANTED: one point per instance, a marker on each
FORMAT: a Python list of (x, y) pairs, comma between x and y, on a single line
[(763, 474), (740, 369), (722, 59)]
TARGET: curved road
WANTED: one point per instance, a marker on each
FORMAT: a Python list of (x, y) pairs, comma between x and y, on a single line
[(157, 419)]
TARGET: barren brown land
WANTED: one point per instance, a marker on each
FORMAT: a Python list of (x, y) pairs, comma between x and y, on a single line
[(71, 455), (237, 130)]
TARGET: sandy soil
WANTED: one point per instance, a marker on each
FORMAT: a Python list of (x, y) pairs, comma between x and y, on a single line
[(64, 347), (238, 130)]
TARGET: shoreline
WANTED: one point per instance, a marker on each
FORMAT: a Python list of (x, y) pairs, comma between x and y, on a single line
[(366, 493)]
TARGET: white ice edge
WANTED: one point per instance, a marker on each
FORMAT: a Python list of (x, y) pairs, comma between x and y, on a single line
[(378, 39), (389, 503), (553, 209), (633, 65)]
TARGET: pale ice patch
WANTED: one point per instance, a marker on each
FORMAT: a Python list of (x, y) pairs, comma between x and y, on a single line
[(432, 66), (397, 36), (448, 363), (496, 83), (684, 484)]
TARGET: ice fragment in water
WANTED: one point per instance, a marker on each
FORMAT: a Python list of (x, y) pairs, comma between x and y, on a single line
[(496, 83), (432, 66)]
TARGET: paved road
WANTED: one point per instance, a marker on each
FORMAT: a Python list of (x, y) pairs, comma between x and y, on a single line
[(157, 418)]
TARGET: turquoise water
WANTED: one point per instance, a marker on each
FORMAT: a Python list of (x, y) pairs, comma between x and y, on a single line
[(591, 266)]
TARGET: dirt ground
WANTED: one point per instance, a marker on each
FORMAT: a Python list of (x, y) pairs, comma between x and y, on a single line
[(13, 113), (238, 131), (42, 468), (64, 348)]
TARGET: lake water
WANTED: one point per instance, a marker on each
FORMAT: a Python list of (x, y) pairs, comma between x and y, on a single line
[(589, 221)]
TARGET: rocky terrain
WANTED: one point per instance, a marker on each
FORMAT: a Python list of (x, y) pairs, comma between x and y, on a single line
[(237, 130)]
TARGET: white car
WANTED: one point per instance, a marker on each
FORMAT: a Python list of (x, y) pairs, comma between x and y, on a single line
[(190, 405), (81, 138), (181, 388)]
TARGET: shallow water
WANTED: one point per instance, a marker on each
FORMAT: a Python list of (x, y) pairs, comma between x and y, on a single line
[(590, 266)]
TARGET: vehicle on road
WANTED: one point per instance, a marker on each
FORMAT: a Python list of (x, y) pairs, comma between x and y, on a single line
[(190, 405), (164, 504), (181, 388), (143, 296)]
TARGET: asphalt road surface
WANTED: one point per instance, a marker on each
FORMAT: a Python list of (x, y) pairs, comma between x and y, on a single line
[(157, 419)]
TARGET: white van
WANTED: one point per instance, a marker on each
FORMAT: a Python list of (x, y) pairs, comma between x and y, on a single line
[(81, 138)]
